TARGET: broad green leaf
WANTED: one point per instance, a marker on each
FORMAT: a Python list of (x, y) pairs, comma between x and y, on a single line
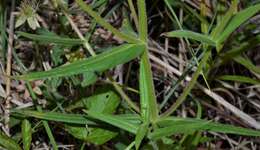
[(140, 135), (97, 136), (242, 79), (7, 143), (149, 110), (51, 39), (115, 121), (247, 63), (191, 35), (237, 20), (59, 117), (104, 103), (99, 63), (26, 134), (172, 125)]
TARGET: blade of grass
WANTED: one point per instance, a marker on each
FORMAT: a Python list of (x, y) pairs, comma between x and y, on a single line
[(191, 35), (149, 110), (51, 39), (54, 116), (241, 79), (247, 64), (140, 135), (133, 12), (224, 21), (188, 88), (106, 25), (186, 39), (115, 121), (172, 125), (45, 123), (8, 143), (237, 20), (26, 134), (99, 63), (38, 107)]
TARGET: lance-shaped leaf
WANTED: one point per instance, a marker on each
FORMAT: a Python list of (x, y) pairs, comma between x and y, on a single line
[(247, 63), (7, 143), (173, 125), (149, 109), (99, 63), (237, 20), (191, 35), (241, 79), (54, 116), (26, 134), (47, 38), (114, 120)]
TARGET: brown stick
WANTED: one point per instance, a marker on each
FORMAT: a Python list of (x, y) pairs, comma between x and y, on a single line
[(9, 67)]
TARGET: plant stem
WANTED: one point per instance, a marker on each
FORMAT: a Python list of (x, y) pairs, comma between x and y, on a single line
[(187, 90), (9, 68), (102, 22)]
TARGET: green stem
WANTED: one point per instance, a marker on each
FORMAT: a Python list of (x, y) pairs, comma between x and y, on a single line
[(45, 123), (102, 22), (187, 90), (133, 12)]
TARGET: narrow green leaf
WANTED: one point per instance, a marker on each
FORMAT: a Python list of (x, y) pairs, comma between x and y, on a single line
[(103, 23), (191, 35), (237, 20), (26, 134), (191, 84), (7, 143), (218, 30), (140, 135), (99, 63), (172, 125), (149, 110), (247, 63), (143, 27), (59, 117), (242, 79), (177, 129), (51, 39), (115, 121), (243, 47)]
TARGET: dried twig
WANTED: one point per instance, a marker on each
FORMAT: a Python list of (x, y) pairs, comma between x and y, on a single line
[(9, 67)]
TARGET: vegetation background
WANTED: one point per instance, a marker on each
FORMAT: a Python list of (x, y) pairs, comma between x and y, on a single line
[(129, 74)]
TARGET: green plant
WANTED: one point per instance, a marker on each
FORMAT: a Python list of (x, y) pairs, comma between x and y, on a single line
[(144, 122)]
